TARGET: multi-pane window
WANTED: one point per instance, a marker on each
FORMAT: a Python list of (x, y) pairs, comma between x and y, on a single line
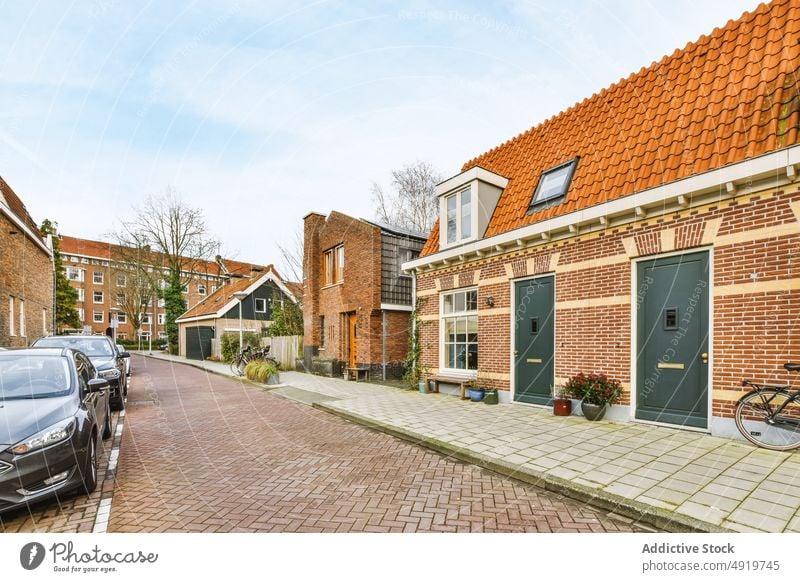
[(80, 314), (458, 207), (146, 319), (21, 318), (11, 330), (97, 297), (122, 318), (81, 294), (333, 265), (460, 329), (97, 277), (75, 274), (201, 289), (97, 317), (120, 298), (161, 319), (121, 280)]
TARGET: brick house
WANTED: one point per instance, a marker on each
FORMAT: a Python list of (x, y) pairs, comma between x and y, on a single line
[(91, 268), (650, 232), (356, 310), (202, 326), (26, 274)]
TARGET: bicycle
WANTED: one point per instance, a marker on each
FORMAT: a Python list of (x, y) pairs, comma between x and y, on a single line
[(769, 416), (247, 355)]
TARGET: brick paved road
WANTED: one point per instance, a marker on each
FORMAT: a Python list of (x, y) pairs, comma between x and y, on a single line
[(71, 514), (206, 453)]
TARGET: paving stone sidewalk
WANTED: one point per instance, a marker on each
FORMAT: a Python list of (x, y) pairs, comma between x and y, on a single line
[(677, 480)]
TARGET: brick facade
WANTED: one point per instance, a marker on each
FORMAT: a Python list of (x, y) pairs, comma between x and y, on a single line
[(95, 257), (754, 241), (381, 334), (26, 276)]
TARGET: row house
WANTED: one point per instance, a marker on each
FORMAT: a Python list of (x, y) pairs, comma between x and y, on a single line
[(357, 299), (650, 232), (94, 269), (26, 274)]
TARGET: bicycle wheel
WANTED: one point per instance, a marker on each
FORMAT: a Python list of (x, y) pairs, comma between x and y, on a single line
[(237, 367), (755, 420)]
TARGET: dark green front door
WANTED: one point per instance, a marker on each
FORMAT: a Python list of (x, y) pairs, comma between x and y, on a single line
[(534, 335), (672, 303)]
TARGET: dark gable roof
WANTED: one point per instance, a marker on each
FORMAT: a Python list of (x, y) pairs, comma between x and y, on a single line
[(730, 96), (17, 207)]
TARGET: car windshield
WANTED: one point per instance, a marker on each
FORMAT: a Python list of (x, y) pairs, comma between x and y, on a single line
[(91, 346), (27, 376)]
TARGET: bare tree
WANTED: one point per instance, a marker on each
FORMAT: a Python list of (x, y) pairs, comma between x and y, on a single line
[(135, 280), (177, 237), (412, 202), (292, 256)]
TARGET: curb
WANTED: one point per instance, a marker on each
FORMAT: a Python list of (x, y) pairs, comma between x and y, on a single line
[(648, 514), (265, 387)]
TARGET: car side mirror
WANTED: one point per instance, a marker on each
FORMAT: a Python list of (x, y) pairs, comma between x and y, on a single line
[(97, 385), (124, 355)]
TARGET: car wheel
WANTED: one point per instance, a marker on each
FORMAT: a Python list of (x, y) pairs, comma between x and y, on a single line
[(118, 403), (107, 425), (90, 471)]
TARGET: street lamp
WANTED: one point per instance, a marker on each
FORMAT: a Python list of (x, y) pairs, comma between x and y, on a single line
[(240, 295)]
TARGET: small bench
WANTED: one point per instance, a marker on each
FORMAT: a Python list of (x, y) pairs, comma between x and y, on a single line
[(460, 381), (356, 373)]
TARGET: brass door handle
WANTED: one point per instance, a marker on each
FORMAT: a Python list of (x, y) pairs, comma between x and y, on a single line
[(704, 355)]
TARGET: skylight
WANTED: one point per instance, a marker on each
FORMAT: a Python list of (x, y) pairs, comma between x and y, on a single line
[(554, 183)]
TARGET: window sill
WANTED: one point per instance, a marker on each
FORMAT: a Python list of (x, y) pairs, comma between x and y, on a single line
[(332, 285)]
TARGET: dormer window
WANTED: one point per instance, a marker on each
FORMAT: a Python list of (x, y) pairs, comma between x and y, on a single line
[(459, 216), (554, 183)]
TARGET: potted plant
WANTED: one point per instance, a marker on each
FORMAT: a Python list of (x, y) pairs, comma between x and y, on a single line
[(596, 392), (476, 389), (562, 404)]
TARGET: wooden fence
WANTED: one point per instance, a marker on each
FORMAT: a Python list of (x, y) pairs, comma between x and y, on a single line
[(285, 349)]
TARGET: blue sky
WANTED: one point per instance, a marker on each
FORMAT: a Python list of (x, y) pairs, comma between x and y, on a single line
[(259, 111)]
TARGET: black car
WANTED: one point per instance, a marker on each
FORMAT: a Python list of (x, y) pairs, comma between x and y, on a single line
[(53, 413), (103, 353)]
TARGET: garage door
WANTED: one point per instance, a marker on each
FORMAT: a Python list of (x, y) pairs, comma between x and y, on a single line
[(198, 342)]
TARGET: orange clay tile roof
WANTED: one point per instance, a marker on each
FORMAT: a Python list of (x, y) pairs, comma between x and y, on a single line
[(102, 250), (729, 96), (17, 207), (222, 296)]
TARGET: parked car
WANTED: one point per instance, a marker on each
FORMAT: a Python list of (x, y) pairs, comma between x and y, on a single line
[(54, 411), (124, 353), (103, 353)]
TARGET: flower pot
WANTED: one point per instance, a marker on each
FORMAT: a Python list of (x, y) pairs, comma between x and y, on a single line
[(490, 397), (562, 407), (593, 411), (422, 387), (274, 379), (476, 394)]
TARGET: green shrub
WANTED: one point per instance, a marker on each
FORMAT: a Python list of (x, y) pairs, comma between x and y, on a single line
[(260, 371), (230, 343)]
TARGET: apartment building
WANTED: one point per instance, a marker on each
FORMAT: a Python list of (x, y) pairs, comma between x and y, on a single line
[(93, 268)]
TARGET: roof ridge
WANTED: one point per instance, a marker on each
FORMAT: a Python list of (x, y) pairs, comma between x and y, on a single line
[(746, 17)]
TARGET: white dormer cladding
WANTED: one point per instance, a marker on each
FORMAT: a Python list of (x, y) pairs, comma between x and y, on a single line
[(466, 204)]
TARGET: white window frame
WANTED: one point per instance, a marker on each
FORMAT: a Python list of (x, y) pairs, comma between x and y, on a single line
[(257, 299), (120, 296), (75, 274), (146, 319), (98, 317), (442, 329), (97, 277), (122, 278), (122, 317), (201, 289), (94, 297), (11, 330), (44, 321), (22, 318), (81, 294), (81, 314), (459, 227), (161, 318)]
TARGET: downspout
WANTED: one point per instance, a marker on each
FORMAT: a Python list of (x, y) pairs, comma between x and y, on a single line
[(383, 315)]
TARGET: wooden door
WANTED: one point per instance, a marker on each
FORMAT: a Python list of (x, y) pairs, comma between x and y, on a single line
[(352, 342)]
